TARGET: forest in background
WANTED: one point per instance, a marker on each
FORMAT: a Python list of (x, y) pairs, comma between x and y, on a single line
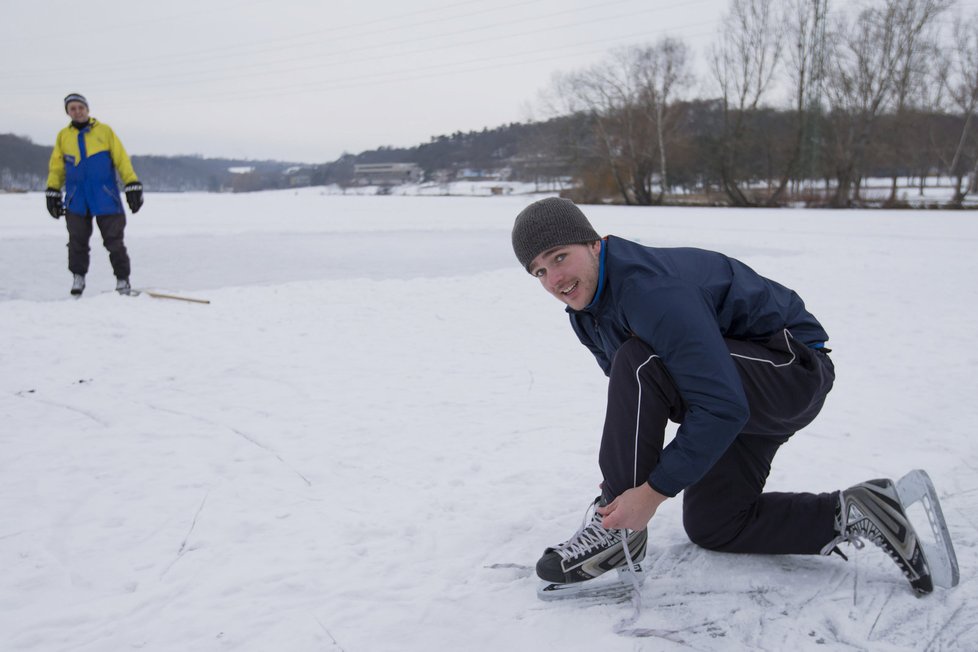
[(809, 103)]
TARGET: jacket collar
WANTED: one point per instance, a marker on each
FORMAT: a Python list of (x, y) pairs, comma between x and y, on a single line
[(91, 123)]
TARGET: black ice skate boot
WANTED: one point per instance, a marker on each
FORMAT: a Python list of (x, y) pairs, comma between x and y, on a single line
[(77, 284), (592, 551), (872, 510)]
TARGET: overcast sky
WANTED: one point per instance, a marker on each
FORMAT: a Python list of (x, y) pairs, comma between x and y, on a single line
[(305, 81)]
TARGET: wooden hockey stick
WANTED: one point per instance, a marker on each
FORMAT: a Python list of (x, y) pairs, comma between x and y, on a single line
[(160, 295)]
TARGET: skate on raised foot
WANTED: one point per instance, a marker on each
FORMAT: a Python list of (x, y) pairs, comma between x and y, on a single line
[(77, 285), (122, 286), (573, 568), (916, 487), (872, 510)]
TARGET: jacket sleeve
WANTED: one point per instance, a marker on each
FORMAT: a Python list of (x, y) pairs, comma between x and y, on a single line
[(56, 166), (679, 322), (120, 158)]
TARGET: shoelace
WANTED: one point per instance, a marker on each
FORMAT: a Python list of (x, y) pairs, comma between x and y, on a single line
[(863, 529), (622, 627), (873, 534), (847, 533), (591, 535), (859, 532)]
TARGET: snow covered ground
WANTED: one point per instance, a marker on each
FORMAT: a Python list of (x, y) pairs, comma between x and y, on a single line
[(369, 435), (935, 191)]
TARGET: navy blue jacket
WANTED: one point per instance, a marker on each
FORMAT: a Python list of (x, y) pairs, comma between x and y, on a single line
[(683, 302)]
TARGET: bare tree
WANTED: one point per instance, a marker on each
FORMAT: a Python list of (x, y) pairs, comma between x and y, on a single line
[(662, 71), (962, 85), (743, 64), (876, 52), (805, 24), (916, 30), (607, 93), (859, 83), (630, 97)]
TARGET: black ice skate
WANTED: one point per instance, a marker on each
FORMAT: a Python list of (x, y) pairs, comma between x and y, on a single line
[(570, 569), (875, 510), (77, 285), (917, 488)]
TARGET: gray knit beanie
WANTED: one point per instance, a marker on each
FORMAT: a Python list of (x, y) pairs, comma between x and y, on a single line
[(549, 223), (75, 97)]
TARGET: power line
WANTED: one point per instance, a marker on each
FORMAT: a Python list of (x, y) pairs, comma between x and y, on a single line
[(236, 52), (290, 41), (248, 72), (362, 81), (115, 27)]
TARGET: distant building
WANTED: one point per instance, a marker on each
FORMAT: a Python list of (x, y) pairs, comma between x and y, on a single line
[(298, 177), (386, 174), (472, 174), (483, 174)]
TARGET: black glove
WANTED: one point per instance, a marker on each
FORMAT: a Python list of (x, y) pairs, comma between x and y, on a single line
[(55, 207), (134, 196)]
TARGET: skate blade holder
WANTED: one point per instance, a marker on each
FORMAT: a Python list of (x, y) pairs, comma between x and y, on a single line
[(916, 487), (608, 585)]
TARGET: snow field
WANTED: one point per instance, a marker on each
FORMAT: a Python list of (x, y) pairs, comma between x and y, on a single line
[(368, 437)]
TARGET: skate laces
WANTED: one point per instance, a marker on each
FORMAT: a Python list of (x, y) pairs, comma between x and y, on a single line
[(591, 536), (863, 528), (853, 533), (628, 621)]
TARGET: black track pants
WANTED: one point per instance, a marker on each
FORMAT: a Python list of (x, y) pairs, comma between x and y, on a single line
[(786, 384), (112, 228)]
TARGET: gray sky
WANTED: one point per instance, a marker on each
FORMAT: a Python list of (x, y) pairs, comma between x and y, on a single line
[(301, 80)]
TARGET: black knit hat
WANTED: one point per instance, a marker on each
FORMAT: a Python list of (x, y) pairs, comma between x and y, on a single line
[(75, 97), (549, 223)]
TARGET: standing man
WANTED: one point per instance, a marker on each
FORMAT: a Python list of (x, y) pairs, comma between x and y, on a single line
[(698, 338), (85, 159)]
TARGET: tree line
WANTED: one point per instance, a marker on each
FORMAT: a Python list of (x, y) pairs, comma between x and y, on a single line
[(24, 166), (807, 103), (883, 88)]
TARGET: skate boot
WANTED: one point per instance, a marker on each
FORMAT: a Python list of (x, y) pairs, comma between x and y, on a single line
[(78, 285), (122, 286), (592, 551), (872, 510)]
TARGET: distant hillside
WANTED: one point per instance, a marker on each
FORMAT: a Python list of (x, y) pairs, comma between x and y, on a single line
[(24, 166), (525, 151)]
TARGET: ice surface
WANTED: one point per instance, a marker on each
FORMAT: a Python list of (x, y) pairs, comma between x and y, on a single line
[(369, 435)]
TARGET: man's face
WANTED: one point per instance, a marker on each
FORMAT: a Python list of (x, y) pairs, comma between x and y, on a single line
[(77, 111), (570, 272)]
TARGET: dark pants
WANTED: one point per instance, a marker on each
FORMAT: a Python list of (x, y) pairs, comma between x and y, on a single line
[(112, 228), (786, 384)]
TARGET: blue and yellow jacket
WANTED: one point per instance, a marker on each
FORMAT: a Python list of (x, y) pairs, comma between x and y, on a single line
[(84, 162)]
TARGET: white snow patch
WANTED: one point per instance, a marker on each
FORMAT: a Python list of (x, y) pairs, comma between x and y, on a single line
[(369, 435)]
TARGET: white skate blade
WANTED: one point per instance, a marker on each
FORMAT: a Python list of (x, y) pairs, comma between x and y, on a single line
[(916, 487), (609, 585)]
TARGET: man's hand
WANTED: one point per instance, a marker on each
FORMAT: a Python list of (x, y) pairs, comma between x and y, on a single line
[(134, 196), (55, 207), (633, 509)]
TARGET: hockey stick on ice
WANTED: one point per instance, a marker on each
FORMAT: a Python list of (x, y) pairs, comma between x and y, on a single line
[(161, 295)]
